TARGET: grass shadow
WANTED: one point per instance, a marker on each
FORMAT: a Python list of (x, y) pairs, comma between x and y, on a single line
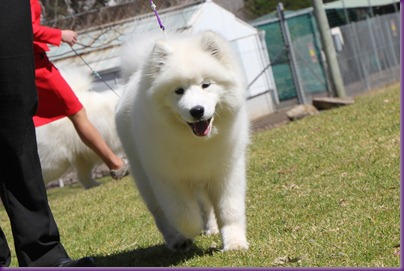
[(155, 256)]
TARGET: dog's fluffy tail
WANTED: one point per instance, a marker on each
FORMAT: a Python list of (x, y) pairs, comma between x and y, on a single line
[(136, 50)]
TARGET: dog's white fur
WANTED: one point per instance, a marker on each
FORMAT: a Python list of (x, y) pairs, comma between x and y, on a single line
[(187, 180), (60, 147)]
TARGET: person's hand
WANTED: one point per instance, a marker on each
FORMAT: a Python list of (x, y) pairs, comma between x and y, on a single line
[(69, 36)]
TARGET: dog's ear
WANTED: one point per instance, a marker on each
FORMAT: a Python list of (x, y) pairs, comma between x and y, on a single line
[(159, 55), (209, 43), (215, 45)]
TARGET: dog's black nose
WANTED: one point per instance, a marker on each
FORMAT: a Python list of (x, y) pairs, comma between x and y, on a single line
[(197, 112)]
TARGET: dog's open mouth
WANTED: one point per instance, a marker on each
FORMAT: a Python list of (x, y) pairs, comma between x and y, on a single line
[(202, 127)]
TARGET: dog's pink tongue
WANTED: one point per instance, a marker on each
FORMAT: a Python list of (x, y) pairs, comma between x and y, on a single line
[(201, 128)]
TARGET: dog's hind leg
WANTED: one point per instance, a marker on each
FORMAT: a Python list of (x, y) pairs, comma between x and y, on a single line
[(84, 169), (209, 219), (53, 171)]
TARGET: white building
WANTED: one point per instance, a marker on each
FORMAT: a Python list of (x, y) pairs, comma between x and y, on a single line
[(100, 46)]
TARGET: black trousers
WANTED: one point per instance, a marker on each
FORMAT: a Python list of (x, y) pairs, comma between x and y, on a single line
[(22, 190)]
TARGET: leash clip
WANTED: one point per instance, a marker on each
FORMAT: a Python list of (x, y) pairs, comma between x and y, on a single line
[(154, 8)]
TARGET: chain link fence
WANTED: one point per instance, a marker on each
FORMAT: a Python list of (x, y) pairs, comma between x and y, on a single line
[(309, 72), (368, 53)]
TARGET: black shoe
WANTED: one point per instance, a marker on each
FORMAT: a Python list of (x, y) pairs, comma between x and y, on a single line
[(83, 262)]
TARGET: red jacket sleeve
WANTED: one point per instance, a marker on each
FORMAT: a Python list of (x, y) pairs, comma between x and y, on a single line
[(43, 34)]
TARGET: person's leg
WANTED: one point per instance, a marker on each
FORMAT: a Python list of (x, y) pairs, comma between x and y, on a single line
[(93, 139), (22, 189), (36, 236), (5, 255)]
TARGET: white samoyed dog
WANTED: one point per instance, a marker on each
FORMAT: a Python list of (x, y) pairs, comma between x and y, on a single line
[(60, 147), (183, 125)]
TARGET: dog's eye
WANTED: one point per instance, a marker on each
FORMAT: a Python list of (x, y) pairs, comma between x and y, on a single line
[(205, 85), (179, 91)]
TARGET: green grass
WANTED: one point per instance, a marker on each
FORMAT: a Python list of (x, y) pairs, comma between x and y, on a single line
[(322, 192)]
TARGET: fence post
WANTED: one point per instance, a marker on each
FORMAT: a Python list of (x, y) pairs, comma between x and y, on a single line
[(291, 54), (329, 49)]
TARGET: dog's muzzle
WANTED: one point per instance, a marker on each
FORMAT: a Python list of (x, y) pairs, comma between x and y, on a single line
[(201, 127)]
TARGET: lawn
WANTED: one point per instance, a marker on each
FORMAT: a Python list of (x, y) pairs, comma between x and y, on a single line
[(322, 192)]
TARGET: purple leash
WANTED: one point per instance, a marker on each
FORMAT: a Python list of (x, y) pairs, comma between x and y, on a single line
[(154, 8)]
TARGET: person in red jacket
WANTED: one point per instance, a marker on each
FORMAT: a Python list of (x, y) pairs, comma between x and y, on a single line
[(57, 100)]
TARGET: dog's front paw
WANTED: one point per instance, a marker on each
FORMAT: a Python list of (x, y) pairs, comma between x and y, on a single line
[(234, 237), (240, 245), (180, 244), (183, 246)]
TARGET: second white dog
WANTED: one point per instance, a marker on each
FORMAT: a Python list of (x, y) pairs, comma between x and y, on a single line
[(183, 125), (59, 146)]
